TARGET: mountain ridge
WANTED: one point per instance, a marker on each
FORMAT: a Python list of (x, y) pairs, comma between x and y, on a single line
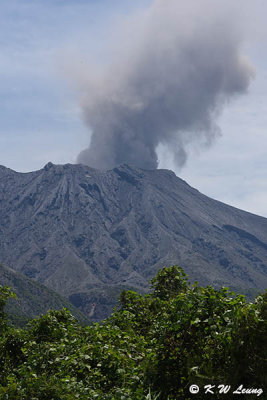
[(32, 298), (85, 232)]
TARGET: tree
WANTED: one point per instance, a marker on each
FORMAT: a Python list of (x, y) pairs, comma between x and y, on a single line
[(5, 294), (169, 282), (161, 343)]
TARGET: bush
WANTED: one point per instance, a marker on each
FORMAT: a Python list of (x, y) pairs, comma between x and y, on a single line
[(153, 347)]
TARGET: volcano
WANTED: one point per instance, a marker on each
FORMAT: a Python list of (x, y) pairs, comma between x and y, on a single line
[(87, 234)]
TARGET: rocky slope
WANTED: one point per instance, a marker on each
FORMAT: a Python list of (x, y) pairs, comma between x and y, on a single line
[(88, 233)]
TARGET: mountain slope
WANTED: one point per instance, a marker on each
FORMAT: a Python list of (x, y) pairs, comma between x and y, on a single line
[(33, 298), (87, 233)]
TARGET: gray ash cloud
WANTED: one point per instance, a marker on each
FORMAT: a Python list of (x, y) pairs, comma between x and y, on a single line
[(174, 68)]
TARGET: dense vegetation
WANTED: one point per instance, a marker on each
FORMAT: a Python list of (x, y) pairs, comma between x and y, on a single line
[(154, 346), (33, 298)]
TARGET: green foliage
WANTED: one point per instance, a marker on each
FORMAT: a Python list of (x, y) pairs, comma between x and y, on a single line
[(32, 299), (154, 347), (5, 294), (169, 282)]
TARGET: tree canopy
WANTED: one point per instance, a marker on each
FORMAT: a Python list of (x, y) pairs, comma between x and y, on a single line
[(153, 346)]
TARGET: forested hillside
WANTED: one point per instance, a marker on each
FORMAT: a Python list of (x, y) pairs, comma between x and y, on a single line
[(33, 298), (156, 346)]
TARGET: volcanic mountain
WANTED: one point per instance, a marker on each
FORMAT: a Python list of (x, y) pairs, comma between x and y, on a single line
[(87, 234)]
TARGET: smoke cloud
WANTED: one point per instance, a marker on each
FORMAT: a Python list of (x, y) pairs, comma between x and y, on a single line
[(173, 69)]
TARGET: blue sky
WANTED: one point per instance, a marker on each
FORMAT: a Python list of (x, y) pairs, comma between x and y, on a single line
[(40, 117), (39, 113)]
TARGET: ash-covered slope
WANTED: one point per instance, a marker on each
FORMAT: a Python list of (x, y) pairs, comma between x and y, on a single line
[(87, 233)]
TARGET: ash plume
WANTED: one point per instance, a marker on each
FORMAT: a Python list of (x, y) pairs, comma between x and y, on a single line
[(174, 68)]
